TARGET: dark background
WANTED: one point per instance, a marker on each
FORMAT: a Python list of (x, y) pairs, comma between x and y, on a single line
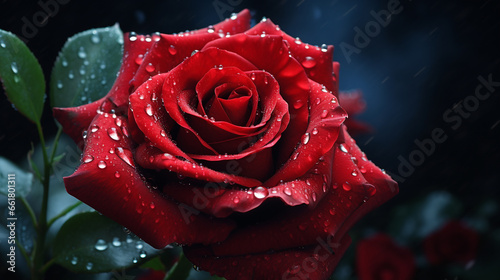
[(425, 62)]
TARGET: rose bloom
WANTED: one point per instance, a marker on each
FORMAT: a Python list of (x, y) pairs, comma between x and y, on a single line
[(380, 258), (229, 141), (453, 243)]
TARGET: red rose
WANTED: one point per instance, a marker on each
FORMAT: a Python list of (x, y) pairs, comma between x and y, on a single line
[(379, 258), (228, 140), (454, 242)]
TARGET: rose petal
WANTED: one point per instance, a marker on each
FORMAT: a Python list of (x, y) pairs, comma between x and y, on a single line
[(108, 181), (152, 158), (312, 262), (316, 61), (324, 125), (294, 85), (151, 118), (170, 50)]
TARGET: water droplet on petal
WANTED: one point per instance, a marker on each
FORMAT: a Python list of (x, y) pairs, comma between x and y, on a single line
[(210, 29), (139, 59), (152, 205), (354, 173), (113, 134), (343, 148), (150, 68), (117, 174), (125, 155), (287, 191), (101, 164), (298, 104), (88, 158), (309, 62), (233, 16), (236, 200), (324, 48), (149, 110), (298, 41), (313, 195), (305, 138), (260, 192), (101, 245), (172, 50), (346, 186), (370, 189)]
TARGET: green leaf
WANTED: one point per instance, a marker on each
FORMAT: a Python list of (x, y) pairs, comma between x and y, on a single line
[(180, 270), (86, 67), (23, 180), (22, 76), (90, 242)]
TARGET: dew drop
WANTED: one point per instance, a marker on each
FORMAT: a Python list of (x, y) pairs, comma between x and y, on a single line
[(117, 175), (314, 131), (233, 16), (343, 148), (354, 173), (125, 155), (2, 44), (95, 37), (134, 260), (101, 245), (172, 50), (142, 254), (84, 134), (150, 68), (103, 65), (325, 186), (309, 62), (152, 205), (116, 242), (324, 48), (260, 192), (113, 134), (139, 59), (81, 53), (64, 62), (298, 104), (236, 200), (370, 189), (298, 41), (59, 84), (101, 164), (346, 186), (71, 75), (13, 67), (332, 211), (149, 110), (287, 191), (139, 245), (88, 158), (305, 138), (210, 29), (89, 266), (313, 195), (132, 36), (74, 260)]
